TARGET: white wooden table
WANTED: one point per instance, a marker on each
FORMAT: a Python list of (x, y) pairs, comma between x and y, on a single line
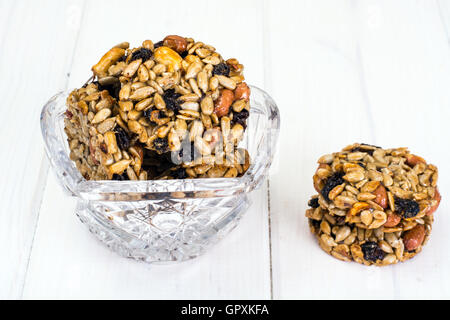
[(341, 72)]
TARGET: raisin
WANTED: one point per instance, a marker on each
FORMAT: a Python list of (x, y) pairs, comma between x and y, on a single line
[(123, 141), (365, 150), (103, 147), (370, 145), (161, 145), (171, 99), (333, 181), (407, 208), (157, 163), (221, 69), (122, 58), (179, 173), (184, 54), (372, 252), (314, 203), (113, 88), (241, 117), (120, 177), (164, 166), (340, 221), (147, 113), (69, 114), (158, 44), (142, 53), (315, 224), (153, 115)]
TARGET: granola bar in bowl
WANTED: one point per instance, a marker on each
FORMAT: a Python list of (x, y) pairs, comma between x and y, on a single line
[(161, 147), (374, 205)]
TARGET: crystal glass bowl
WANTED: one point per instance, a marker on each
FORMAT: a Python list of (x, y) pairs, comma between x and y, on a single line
[(163, 220)]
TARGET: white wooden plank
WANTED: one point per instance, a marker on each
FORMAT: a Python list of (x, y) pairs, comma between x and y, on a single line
[(67, 262), (406, 64), (36, 52), (374, 71), (319, 85)]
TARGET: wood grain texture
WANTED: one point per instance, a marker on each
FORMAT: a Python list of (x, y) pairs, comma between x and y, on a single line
[(37, 45), (67, 262)]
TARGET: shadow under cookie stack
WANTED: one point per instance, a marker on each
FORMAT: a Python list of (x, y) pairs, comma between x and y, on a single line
[(170, 110), (374, 206)]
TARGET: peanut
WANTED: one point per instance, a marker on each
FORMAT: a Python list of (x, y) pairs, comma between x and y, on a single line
[(412, 160), (242, 91), (437, 197), (392, 220), (176, 43), (413, 238), (223, 103), (381, 196)]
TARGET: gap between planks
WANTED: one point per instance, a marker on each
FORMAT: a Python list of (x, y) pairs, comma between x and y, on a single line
[(267, 86)]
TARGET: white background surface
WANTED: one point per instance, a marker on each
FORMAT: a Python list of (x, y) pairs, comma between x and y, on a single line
[(341, 72)]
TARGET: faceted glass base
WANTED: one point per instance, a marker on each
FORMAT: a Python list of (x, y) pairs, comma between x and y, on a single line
[(163, 230)]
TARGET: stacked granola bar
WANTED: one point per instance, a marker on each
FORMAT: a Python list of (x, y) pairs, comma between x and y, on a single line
[(374, 205), (173, 109)]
